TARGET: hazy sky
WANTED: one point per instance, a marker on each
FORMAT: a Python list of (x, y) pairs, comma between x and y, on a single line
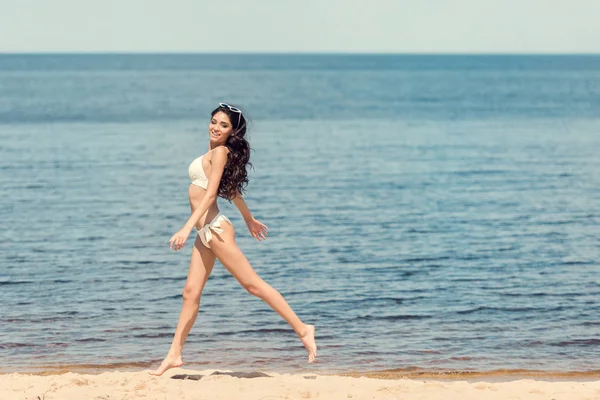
[(421, 26)]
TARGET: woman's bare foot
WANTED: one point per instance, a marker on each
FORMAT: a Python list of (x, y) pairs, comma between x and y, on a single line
[(168, 363), (308, 340)]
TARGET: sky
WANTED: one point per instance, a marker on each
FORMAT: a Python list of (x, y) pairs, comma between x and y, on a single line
[(301, 26)]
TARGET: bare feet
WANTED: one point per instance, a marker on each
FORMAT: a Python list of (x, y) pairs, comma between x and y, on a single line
[(168, 363), (308, 340)]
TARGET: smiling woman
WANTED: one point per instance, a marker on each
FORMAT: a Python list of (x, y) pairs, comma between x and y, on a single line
[(221, 172)]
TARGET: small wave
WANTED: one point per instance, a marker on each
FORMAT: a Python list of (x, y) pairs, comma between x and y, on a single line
[(31, 345), (61, 281), (564, 222), (398, 271), (391, 317), (266, 330), (531, 294), (508, 309), (90, 340), (591, 323), (466, 279), (91, 238), (578, 342), (161, 279), (258, 331), (154, 335), (345, 249), (172, 297), (142, 262), (2, 283), (17, 345), (578, 262), (453, 339), (16, 258), (421, 259), (367, 353), (481, 172), (36, 319), (368, 300), (291, 292)]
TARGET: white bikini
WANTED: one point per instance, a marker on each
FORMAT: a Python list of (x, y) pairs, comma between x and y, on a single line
[(198, 178), (197, 175)]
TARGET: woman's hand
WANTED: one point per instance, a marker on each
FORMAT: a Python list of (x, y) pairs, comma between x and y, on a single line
[(178, 240), (257, 229)]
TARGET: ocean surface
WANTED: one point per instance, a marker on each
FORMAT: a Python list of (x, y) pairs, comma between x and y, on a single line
[(425, 212)]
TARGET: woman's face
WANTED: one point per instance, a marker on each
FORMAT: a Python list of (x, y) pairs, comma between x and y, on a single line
[(219, 128)]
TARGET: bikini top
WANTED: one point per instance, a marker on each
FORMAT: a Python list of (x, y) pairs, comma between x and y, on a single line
[(196, 173)]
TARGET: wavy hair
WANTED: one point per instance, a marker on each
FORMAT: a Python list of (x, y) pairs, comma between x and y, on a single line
[(235, 175)]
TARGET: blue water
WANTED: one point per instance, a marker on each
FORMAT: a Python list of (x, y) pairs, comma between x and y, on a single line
[(438, 212)]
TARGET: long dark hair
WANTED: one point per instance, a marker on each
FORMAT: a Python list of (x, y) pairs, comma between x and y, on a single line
[(235, 175)]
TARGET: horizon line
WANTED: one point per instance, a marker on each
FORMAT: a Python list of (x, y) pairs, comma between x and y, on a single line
[(297, 53)]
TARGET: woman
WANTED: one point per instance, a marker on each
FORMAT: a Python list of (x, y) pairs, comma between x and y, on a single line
[(221, 172)]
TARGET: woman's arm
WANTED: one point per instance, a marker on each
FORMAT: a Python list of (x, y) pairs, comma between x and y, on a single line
[(218, 161), (256, 228), (239, 202)]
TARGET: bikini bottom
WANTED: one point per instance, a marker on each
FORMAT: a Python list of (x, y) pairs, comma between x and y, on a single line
[(215, 225)]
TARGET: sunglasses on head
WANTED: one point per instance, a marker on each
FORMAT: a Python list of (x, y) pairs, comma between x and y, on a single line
[(236, 110), (233, 109)]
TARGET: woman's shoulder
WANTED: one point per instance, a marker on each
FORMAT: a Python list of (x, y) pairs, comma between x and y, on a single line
[(222, 151)]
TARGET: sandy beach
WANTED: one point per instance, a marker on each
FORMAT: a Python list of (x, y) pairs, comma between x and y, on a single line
[(222, 385)]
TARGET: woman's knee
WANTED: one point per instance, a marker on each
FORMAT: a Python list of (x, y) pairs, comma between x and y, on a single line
[(192, 293), (255, 288)]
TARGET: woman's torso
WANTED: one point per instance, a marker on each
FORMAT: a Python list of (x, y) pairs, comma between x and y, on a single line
[(199, 171)]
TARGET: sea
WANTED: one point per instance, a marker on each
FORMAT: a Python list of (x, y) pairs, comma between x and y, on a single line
[(426, 213)]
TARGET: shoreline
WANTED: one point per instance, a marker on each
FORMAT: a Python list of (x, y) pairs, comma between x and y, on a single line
[(499, 375), (412, 373)]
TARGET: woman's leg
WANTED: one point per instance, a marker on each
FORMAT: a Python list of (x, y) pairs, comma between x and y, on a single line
[(201, 265), (232, 258)]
